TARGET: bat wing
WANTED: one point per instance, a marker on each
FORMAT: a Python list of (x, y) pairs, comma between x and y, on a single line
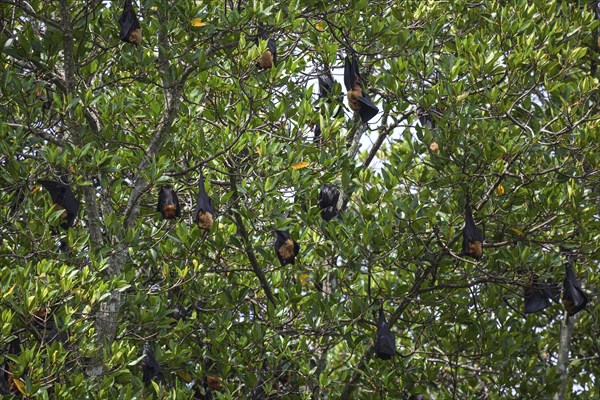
[(348, 73), (56, 189), (272, 46), (176, 202), (535, 301), (572, 291), (367, 110), (71, 204), (385, 343)]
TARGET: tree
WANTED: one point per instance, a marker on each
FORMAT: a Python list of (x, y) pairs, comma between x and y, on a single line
[(496, 101)]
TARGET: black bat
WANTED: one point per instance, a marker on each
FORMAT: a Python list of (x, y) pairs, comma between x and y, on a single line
[(168, 203), (417, 397), (205, 208), (331, 201), (286, 248), (131, 32), (358, 99), (150, 368), (472, 244), (538, 295), (385, 343), (63, 199), (326, 82), (425, 118), (574, 299), (268, 59)]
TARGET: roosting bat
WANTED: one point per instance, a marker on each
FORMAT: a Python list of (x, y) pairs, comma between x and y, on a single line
[(574, 299), (268, 59), (131, 32), (168, 203), (385, 343), (205, 208), (331, 201), (538, 295), (358, 99), (286, 248), (63, 199), (150, 368), (472, 236)]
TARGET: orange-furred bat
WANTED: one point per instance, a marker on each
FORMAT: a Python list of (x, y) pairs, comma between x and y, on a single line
[(131, 32), (168, 203), (286, 248), (472, 244), (268, 59), (205, 208), (358, 99)]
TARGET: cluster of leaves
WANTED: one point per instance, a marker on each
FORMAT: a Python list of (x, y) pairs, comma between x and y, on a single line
[(514, 112)]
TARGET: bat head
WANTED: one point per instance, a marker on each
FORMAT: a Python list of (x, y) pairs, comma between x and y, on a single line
[(213, 382)]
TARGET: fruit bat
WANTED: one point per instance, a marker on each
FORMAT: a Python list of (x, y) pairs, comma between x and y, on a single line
[(425, 119), (63, 199), (205, 208), (538, 295), (326, 82), (168, 203), (331, 201), (286, 248), (131, 32), (472, 236), (574, 299), (268, 59), (150, 368), (358, 99), (385, 343), (417, 397)]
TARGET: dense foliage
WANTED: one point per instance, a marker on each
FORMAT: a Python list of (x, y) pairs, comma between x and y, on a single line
[(507, 98)]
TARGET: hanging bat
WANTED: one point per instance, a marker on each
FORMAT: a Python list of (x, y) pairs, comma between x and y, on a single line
[(326, 82), (385, 343), (574, 299), (538, 295), (358, 99), (131, 32), (168, 203), (150, 368), (331, 201), (286, 248), (205, 208), (425, 118), (63, 199), (268, 59), (472, 236)]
